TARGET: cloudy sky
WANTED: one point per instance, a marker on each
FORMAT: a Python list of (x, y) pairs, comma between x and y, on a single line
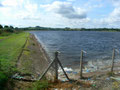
[(61, 13)]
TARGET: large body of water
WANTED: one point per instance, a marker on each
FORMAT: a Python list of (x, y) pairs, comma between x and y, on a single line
[(98, 45)]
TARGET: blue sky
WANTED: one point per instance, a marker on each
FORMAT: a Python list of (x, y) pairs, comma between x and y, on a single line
[(61, 13)]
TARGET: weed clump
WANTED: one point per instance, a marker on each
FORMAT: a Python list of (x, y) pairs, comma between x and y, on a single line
[(110, 74)]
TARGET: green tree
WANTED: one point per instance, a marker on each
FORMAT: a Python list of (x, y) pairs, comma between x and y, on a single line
[(11, 27), (66, 28), (8, 28), (1, 27)]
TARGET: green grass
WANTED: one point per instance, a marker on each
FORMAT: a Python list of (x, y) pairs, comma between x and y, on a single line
[(3, 37), (10, 49), (41, 85)]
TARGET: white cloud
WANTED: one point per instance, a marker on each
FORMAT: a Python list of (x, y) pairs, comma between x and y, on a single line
[(12, 3), (114, 17), (116, 3), (115, 13), (65, 9), (19, 9), (112, 20)]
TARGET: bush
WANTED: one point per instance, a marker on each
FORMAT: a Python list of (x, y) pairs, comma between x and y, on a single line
[(6, 71), (5, 34), (3, 80), (0, 31), (110, 74), (9, 30)]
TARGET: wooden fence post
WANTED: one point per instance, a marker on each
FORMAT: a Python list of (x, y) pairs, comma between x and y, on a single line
[(63, 70), (113, 57), (55, 62), (81, 64), (46, 70), (56, 66)]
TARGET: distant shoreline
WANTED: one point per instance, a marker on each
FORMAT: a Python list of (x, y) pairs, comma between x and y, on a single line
[(72, 30), (38, 28)]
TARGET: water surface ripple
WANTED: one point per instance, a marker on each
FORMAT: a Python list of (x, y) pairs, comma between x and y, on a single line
[(98, 45)]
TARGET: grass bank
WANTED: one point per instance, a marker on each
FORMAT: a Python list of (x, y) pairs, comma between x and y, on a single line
[(10, 48)]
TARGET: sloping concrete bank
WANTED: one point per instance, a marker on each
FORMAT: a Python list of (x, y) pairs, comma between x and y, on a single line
[(34, 59), (32, 63)]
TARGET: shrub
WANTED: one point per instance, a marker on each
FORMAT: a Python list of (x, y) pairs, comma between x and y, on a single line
[(3, 80), (5, 34), (0, 31), (110, 74), (1, 26), (9, 30)]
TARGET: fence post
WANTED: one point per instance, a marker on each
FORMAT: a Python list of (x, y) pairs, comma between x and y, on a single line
[(81, 64), (46, 70), (63, 70), (56, 66), (55, 62), (113, 57)]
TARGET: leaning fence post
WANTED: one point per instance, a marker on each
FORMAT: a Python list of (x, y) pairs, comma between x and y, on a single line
[(81, 63), (63, 70), (56, 66), (113, 57), (46, 70)]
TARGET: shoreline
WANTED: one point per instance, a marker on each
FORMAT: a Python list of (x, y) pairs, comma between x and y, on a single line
[(50, 73), (42, 49)]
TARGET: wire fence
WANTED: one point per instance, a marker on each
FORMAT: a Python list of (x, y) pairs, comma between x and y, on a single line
[(93, 67)]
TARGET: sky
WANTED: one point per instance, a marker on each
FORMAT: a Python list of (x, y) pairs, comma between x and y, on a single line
[(61, 13)]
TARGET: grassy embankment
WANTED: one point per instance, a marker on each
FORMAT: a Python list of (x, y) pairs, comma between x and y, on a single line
[(11, 45), (5, 35), (10, 48)]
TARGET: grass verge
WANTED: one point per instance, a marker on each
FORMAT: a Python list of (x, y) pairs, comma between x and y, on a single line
[(10, 49)]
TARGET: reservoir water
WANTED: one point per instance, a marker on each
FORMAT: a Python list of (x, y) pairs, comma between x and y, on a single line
[(98, 46)]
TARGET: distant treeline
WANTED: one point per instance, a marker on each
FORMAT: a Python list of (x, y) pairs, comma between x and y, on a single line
[(67, 29), (12, 29), (7, 28)]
